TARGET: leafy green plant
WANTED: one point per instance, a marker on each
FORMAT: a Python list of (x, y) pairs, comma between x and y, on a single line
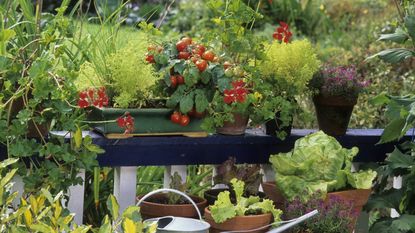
[(296, 173), (223, 209), (38, 95)]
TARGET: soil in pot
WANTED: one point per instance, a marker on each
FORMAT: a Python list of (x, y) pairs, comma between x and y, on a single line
[(157, 206), (333, 113), (239, 223), (211, 195), (237, 127)]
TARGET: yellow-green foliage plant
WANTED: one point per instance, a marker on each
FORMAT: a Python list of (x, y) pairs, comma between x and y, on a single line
[(128, 78), (289, 66)]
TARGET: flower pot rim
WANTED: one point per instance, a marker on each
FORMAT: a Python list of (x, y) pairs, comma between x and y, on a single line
[(207, 211), (198, 200)]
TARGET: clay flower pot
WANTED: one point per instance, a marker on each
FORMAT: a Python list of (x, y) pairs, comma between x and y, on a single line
[(358, 197), (333, 113), (237, 127), (155, 207), (239, 223)]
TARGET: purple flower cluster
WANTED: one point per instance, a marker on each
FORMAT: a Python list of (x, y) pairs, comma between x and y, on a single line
[(339, 81), (335, 215)]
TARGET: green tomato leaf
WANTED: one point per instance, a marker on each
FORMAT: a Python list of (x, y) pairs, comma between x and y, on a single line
[(187, 102), (176, 97), (201, 101)]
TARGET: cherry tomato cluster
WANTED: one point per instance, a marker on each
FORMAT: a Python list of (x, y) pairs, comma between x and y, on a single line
[(181, 119), (197, 53), (176, 80)]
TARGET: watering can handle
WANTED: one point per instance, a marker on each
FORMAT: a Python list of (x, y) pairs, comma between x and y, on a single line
[(172, 191)]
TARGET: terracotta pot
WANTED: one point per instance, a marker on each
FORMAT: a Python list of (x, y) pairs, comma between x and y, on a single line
[(358, 197), (239, 223), (237, 127), (333, 113), (153, 210), (272, 192)]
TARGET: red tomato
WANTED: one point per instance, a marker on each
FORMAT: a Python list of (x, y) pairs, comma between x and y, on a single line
[(175, 117), (181, 46), (180, 79), (184, 55), (173, 80), (226, 65), (194, 59), (184, 120), (208, 55), (187, 40), (201, 65)]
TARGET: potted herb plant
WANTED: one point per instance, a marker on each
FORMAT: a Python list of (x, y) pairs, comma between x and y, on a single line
[(246, 214), (171, 204), (227, 171), (318, 163), (287, 68), (337, 91), (335, 215)]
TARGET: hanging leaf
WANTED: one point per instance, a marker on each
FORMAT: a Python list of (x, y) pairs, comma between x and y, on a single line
[(113, 206), (394, 55), (399, 36)]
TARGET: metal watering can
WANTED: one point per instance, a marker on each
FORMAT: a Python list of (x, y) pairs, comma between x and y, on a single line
[(171, 224)]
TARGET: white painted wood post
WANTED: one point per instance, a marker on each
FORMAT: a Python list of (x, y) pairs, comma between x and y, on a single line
[(76, 199), (268, 174), (397, 184), (18, 187), (170, 170), (125, 186)]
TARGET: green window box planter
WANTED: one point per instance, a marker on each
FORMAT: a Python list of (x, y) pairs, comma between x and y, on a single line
[(147, 122)]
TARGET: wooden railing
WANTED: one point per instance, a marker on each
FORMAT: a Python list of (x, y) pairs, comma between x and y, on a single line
[(175, 153)]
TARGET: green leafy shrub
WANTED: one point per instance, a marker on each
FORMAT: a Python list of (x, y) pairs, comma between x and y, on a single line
[(296, 173), (290, 65)]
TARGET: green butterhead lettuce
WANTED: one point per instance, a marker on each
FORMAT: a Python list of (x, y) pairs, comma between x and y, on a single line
[(223, 209), (317, 163)]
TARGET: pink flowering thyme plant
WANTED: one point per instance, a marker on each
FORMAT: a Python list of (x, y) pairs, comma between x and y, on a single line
[(339, 81)]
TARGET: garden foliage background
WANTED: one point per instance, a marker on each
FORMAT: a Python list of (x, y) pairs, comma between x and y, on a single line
[(344, 33)]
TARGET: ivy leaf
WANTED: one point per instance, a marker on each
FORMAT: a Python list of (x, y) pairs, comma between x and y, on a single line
[(186, 103), (397, 159), (404, 223), (393, 130), (201, 101), (399, 36), (410, 25)]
